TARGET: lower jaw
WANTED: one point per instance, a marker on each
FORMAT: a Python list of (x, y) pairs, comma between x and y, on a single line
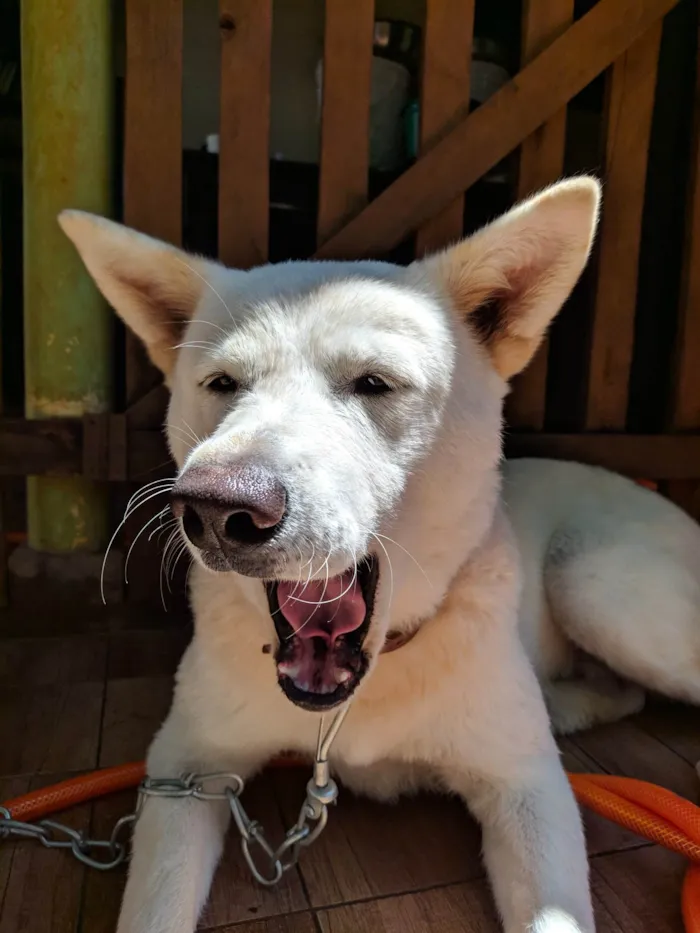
[(320, 701), (315, 702)]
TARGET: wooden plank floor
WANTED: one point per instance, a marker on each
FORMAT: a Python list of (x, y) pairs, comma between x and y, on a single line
[(93, 699)]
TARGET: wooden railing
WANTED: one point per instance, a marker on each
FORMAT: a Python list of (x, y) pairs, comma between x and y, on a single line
[(560, 57)]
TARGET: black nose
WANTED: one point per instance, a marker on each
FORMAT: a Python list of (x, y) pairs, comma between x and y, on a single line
[(224, 507)]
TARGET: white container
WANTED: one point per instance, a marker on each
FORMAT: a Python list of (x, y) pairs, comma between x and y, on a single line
[(388, 99)]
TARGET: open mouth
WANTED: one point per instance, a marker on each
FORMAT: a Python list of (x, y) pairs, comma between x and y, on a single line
[(322, 627)]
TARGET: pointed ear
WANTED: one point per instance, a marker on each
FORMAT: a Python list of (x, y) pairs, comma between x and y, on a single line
[(153, 287), (511, 278)]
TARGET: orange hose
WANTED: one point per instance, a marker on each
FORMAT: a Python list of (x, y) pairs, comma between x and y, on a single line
[(40, 803), (691, 899), (653, 812), (656, 814)]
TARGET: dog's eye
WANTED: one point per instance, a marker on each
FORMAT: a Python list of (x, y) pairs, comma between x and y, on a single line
[(222, 384), (371, 385)]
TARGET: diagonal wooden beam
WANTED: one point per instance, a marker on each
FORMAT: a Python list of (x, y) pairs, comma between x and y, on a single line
[(480, 140)]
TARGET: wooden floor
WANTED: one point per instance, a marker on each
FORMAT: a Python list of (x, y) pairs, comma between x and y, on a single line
[(92, 699)]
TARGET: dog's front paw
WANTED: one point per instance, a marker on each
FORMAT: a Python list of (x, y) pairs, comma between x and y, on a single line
[(553, 920)]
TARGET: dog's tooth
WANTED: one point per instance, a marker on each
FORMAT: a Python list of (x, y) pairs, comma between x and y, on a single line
[(342, 676), (289, 668)]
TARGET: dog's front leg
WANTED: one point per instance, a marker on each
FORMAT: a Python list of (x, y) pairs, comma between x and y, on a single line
[(177, 841), (534, 850), (510, 774), (177, 845)]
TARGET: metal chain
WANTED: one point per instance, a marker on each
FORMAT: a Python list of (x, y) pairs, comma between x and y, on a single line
[(267, 866), (86, 850)]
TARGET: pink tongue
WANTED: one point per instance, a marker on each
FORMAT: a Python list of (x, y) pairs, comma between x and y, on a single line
[(326, 608)]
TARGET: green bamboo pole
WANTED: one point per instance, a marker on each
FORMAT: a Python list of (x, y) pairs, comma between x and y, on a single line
[(67, 90)]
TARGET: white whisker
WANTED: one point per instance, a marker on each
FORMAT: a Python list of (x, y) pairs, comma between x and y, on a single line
[(391, 574), (197, 438), (210, 324), (207, 283), (327, 602), (162, 528), (156, 484), (139, 498), (323, 601), (310, 564), (171, 538), (177, 561), (196, 345), (174, 548), (189, 571), (184, 435), (407, 553), (136, 538)]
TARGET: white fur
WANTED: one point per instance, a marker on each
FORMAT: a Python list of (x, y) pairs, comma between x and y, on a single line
[(610, 568), (412, 478)]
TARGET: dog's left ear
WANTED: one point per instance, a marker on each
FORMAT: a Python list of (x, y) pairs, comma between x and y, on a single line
[(510, 279), (154, 287)]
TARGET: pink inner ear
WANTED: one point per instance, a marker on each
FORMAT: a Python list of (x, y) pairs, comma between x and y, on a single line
[(489, 317)]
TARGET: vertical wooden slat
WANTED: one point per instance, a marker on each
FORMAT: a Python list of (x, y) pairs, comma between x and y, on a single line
[(630, 103), (245, 27), (3, 530), (347, 81), (447, 52), (541, 163), (685, 409), (152, 141), (152, 201), (686, 403)]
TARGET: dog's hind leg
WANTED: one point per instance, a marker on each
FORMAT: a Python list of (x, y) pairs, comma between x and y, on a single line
[(584, 701), (633, 604)]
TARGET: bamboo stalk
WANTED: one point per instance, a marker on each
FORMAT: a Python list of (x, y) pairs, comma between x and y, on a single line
[(67, 87)]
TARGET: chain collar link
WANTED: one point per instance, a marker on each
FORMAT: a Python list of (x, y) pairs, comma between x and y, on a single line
[(267, 865), (56, 835)]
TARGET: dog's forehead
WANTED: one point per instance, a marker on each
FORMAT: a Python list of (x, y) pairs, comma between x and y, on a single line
[(317, 298)]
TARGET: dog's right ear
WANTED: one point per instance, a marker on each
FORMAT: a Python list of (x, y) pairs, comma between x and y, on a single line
[(153, 287)]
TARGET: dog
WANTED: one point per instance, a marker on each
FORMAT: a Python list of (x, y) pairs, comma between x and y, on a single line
[(337, 432)]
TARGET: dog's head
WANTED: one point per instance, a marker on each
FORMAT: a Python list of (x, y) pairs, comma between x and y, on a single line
[(309, 399)]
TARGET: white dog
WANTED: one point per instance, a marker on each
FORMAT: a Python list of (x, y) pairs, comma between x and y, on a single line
[(337, 430)]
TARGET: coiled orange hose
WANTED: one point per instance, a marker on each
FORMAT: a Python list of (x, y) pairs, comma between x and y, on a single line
[(656, 814), (650, 811)]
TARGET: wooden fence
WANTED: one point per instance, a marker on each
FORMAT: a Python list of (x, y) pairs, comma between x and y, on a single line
[(560, 57)]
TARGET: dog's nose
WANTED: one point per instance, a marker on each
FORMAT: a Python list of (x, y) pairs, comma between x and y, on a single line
[(229, 506)]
